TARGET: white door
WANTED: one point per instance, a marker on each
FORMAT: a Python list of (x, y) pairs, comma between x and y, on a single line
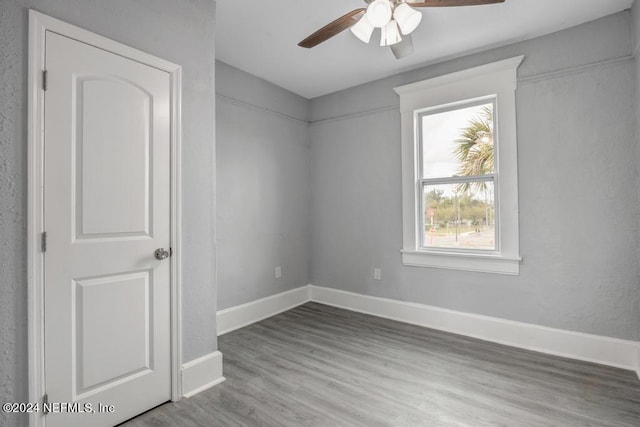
[(106, 211)]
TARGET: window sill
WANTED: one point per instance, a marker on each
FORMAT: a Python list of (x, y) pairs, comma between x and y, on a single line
[(498, 264)]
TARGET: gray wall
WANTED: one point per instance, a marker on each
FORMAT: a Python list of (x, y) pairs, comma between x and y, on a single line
[(577, 189), (181, 32), (635, 27), (263, 187)]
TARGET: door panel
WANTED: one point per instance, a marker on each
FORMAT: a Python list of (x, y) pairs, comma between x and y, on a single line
[(107, 208), (117, 143), (100, 358)]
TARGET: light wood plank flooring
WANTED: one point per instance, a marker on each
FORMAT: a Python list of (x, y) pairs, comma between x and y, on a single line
[(322, 366)]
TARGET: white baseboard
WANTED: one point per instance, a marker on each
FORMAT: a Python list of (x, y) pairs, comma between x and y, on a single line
[(243, 315), (575, 345), (608, 351), (201, 373)]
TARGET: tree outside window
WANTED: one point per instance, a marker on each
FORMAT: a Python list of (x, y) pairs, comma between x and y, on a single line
[(458, 174)]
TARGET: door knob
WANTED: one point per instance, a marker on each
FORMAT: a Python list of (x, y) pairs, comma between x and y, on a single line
[(161, 254)]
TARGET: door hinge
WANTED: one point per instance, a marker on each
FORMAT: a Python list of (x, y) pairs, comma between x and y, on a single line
[(45, 404), (44, 80), (43, 241)]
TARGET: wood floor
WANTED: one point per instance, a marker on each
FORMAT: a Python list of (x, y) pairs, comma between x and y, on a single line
[(321, 366)]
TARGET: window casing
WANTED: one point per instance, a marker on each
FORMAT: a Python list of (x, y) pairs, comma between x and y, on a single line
[(441, 201)]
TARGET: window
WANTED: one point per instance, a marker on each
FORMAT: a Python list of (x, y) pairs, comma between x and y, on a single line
[(459, 168), (456, 149)]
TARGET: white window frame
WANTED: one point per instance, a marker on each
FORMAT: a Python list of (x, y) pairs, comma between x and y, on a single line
[(422, 182), (499, 80)]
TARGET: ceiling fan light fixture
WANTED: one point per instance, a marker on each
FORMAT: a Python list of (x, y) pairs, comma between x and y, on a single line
[(390, 34), (407, 17), (363, 29), (379, 13), (404, 48)]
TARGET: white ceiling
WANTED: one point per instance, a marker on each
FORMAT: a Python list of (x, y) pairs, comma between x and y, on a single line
[(260, 37)]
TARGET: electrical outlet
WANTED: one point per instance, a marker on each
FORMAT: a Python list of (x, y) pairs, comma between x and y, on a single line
[(377, 274), (278, 272)]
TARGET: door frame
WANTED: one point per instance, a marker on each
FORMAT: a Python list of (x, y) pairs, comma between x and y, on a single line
[(38, 25)]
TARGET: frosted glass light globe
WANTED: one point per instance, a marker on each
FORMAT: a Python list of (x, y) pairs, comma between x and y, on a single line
[(379, 13), (407, 17), (363, 29), (390, 34)]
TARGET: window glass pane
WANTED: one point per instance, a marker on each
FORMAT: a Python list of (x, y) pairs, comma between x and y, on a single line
[(459, 216), (458, 142)]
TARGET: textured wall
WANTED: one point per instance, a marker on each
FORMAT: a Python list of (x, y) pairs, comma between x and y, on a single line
[(13, 205), (577, 189), (635, 27), (181, 32), (263, 188)]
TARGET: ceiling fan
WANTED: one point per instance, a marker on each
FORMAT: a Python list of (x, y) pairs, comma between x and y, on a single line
[(397, 19)]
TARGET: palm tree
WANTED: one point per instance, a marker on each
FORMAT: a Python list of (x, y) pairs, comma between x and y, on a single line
[(475, 148)]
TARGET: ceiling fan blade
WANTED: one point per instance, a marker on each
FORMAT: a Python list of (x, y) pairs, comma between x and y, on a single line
[(332, 29), (404, 48), (448, 3)]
